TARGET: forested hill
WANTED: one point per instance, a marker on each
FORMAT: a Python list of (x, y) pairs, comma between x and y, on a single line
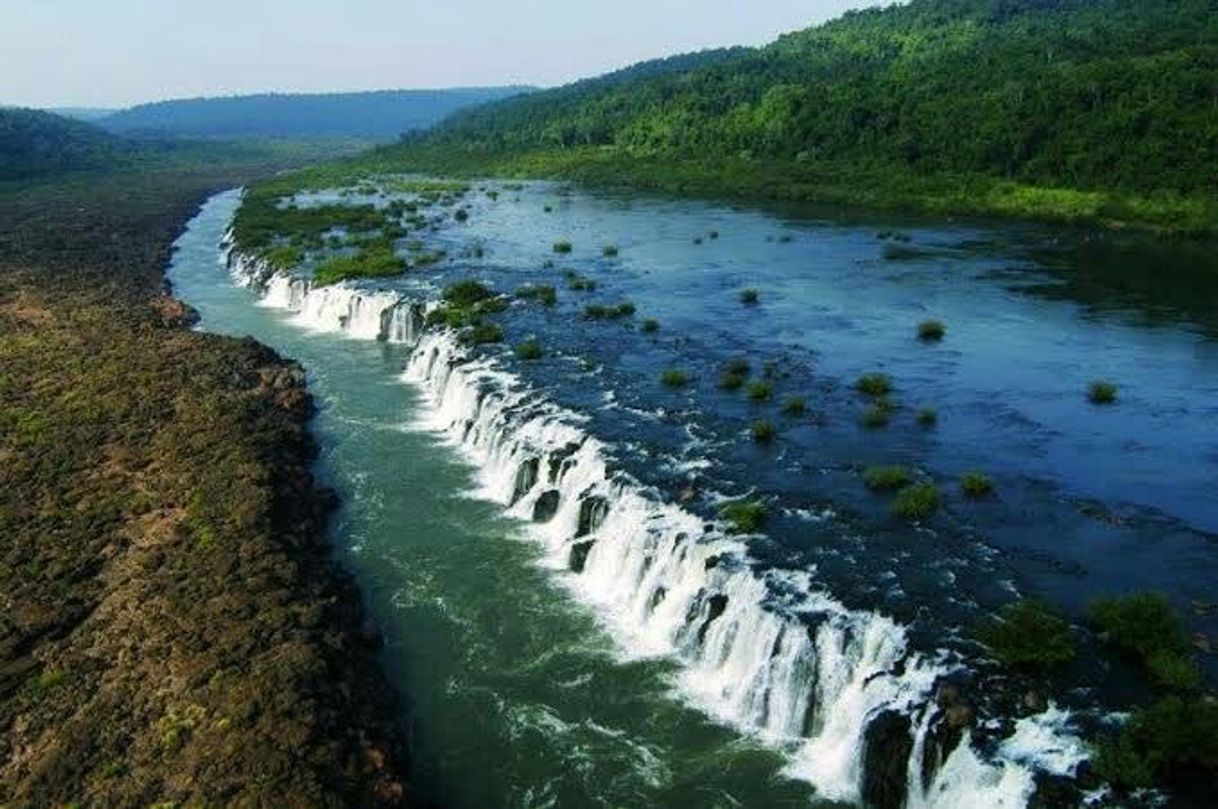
[(1091, 94), (34, 143), (381, 116)]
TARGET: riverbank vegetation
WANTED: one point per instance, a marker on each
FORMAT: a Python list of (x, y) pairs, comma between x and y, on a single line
[(1095, 112)]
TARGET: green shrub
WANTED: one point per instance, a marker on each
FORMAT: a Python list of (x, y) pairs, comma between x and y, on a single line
[(887, 478), (376, 261), (931, 331), (795, 406), (650, 326), (874, 385), (461, 215), (545, 295), (745, 517), (674, 377), (563, 247), (609, 251), (1140, 624), (530, 350), (763, 431), (877, 417), (600, 312), (1173, 670), (749, 297), (735, 374), (467, 293), (928, 417), (1173, 735), (1102, 393), (1029, 635), (976, 485), (483, 334), (760, 390), (917, 502), (714, 234), (548, 208)]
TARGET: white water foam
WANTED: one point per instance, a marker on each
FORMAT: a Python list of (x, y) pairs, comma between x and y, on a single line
[(767, 652)]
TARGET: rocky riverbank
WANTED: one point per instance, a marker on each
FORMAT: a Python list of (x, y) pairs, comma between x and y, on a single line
[(173, 630)]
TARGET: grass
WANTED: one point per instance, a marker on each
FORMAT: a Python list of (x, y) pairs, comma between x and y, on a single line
[(563, 248), (976, 485), (1102, 393), (887, 478), (928, 417), (874, 385), (795, 406), (1028, 634), (650, 326), (763, 431), (750, 297), (931, 331), (760, 390), (530, 350), (744, 517), (674, 378), (918, 502)]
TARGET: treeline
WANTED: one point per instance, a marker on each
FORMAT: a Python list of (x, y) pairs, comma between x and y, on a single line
[(1089, 94)]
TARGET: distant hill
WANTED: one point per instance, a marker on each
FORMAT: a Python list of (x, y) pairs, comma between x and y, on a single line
[(1086, 94), (380, 116), (35, 143)]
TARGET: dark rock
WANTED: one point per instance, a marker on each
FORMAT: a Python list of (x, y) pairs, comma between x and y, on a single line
[(717, 605), (592, 512), (887, 745), (546, 506), (526, 478), (579, 555)]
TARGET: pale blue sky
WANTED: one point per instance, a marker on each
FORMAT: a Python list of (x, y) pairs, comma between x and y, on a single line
[(119, 52)]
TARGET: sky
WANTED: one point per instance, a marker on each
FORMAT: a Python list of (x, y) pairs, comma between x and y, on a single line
[(114, 53)]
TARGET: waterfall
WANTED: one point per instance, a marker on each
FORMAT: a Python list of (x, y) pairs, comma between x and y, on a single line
[(767, 651), (358, 313)]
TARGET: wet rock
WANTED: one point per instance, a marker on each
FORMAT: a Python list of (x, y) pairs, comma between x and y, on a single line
[(947, 729), (579, 555), (712, 562), (546, 506), (1034, 702), (526, 479), (592, 513), (657, 598), (716, 606), (887, 745)]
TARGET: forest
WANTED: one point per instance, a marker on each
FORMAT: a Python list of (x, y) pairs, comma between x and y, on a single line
[(1070, 109)]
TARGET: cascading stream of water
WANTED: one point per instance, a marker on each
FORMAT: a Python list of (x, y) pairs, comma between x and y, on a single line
[(767, 651)]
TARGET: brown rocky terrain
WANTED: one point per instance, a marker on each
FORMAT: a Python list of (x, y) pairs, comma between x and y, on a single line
[(173, 631)]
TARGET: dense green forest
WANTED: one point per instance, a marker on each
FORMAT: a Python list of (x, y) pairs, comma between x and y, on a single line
[(34, 143), (377, 116), (1117, 97)]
